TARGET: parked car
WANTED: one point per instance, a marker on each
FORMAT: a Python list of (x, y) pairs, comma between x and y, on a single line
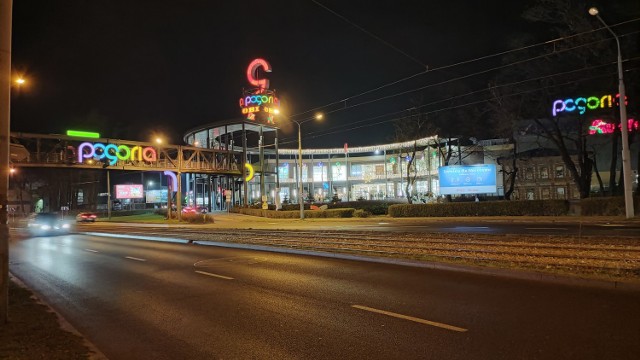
[(47, 224), (86, 217)]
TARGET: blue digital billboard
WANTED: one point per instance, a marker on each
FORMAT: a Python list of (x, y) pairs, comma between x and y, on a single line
[(467, 179)]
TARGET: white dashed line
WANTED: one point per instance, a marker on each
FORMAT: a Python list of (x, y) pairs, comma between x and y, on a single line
[(214, 275), (134, 258), (93, 251), (411, 318)]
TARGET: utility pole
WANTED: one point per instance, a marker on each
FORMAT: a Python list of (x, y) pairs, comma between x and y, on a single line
[(5, 111)]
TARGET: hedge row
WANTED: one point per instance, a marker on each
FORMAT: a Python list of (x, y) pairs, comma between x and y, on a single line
[(292, 214), (375, 207), (489, 208), (606, 206)]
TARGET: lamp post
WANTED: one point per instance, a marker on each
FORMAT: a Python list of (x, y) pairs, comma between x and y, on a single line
[(624, 130), (300, 185)]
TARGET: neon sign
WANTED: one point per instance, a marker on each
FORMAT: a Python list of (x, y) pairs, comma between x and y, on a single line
[(601, 127), (251, 172), (582, 104), (252, 73), (113, 152), (259, 104)]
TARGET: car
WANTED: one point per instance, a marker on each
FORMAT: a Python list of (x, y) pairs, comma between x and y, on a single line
[(86, 217), (194, 210), (48, 224)]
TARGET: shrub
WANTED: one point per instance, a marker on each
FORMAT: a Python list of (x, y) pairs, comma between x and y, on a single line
[(361, 213), (331, 213), (198, 218), (489, 208), (605, 206)]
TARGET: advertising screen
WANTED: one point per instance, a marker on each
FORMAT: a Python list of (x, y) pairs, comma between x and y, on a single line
[(129, 191), (156, 196), (467, 179)]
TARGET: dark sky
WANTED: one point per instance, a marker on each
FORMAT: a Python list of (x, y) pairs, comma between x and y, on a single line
[(131, 68)]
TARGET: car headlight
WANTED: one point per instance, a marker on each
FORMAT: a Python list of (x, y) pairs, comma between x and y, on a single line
[(45, 227), (65, 226)]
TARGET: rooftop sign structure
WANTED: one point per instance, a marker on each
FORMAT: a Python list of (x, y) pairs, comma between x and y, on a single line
[(259, 104)]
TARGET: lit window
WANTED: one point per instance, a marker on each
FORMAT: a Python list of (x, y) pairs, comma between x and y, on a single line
[(559, 171), (544, 172)]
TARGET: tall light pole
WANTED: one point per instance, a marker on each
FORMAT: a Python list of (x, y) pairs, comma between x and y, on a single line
[(5, 101), (624, 130), (300, 185)]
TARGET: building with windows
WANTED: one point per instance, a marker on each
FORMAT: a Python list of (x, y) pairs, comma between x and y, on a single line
[(375, 172)]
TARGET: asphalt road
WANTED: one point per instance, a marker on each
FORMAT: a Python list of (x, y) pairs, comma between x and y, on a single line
[(137, 299)]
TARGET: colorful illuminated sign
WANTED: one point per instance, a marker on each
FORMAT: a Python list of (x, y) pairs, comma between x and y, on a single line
[(129, 192), (582, 104), (260, 103), (600, 127), (114, 152)]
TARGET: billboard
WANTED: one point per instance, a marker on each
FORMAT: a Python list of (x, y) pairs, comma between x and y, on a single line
[(129, 191), (156, 196), (467, 179)]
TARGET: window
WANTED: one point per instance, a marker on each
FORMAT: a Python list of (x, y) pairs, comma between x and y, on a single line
[(559, 171), (283, 171), (356, 170), (544, 172), (560, 192), (338, 172), (546, 194), (320, 173), (531, 194), (528, 173), (379, 169)]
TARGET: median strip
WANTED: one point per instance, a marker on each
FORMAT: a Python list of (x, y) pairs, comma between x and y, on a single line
[(410, 318), (214, 275)]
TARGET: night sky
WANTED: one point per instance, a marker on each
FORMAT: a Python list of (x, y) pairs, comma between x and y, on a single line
[(128, 69)]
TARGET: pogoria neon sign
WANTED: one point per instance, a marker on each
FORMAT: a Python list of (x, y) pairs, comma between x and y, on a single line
[(113, 152), (259, 103), (582, 104)]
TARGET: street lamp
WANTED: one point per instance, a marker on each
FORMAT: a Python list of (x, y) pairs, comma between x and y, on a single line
[(624, 130), (318, 116)]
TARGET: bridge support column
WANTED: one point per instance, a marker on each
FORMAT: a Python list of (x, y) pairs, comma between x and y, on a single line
[(179, 197)]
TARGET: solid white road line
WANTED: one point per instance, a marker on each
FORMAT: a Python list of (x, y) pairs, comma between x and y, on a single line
[(93, 251), (411, 318), (214, 275), (134, 258)]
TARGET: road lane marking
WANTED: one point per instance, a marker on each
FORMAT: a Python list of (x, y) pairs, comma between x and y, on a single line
[(411, 318), (542, 228), (383, 223), (93, 251), (214, 275), (134, 258)]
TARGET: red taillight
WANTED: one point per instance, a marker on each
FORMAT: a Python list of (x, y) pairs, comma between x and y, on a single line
[(84, 216), (93, 216)]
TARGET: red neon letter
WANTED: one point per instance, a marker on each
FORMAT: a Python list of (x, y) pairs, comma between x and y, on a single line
[(252, 73)]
